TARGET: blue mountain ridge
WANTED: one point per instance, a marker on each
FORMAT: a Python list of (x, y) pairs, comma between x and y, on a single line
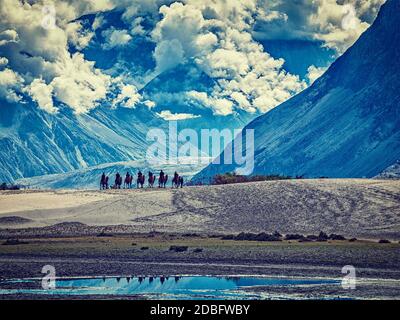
[(33, 142), (347, 124)]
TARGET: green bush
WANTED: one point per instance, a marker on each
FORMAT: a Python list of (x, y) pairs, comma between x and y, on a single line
[(229, 178)]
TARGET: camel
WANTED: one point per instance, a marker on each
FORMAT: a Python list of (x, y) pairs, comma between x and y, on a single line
[(140, 180), (128, 181), (151, 180)]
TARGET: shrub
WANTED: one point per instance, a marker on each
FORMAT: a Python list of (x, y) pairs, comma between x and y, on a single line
[(228, 237), (246, 236), (4, 186), (255, 237), (305, 239), (105, 234), (277, 234), (334, 236), (294, 236), (322, 236), (178, 248), (12, 242), (229, 178)]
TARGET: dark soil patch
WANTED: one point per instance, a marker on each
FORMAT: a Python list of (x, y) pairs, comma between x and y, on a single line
[(14, 220), (178, 248), (13, 242)]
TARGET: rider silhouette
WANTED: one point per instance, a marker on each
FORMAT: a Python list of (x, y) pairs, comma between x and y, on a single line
[(161, 179), (117, 180), (103, 181)]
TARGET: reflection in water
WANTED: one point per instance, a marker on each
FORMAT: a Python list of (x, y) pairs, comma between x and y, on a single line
[(187, 287)]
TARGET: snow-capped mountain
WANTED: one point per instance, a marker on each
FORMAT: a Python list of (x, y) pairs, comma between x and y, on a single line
[(33, 142), (347, 124)]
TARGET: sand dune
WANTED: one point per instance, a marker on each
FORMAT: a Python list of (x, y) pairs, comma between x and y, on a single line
[(359, 208), (36, 200)]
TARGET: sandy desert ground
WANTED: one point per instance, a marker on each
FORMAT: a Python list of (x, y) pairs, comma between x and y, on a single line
[(355, 208), (129, 232)]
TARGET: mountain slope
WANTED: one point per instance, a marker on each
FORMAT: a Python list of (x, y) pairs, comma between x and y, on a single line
[(391, 172), (345, 125), (33, 142)]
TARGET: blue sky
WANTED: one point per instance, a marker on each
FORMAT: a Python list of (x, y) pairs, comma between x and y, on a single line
[(254, 54)]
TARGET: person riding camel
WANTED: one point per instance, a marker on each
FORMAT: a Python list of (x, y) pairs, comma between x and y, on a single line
[(103, 181), (175, 180), (161, 179), (165, 181), (128, 180), (181, 182), (117, 180), (140, 179)]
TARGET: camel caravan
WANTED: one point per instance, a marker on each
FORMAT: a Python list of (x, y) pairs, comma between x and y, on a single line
[(176, 182)]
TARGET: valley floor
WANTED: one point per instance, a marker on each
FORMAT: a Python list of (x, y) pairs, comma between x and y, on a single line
[(355, 208), (129, 232)]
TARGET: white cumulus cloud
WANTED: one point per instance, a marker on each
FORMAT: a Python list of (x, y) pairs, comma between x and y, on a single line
[(42, 94), (337, 23), (39, 57), (128, 96), (115, 38), (314, 73), (217, 37), (3, 61), (10, 85)]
